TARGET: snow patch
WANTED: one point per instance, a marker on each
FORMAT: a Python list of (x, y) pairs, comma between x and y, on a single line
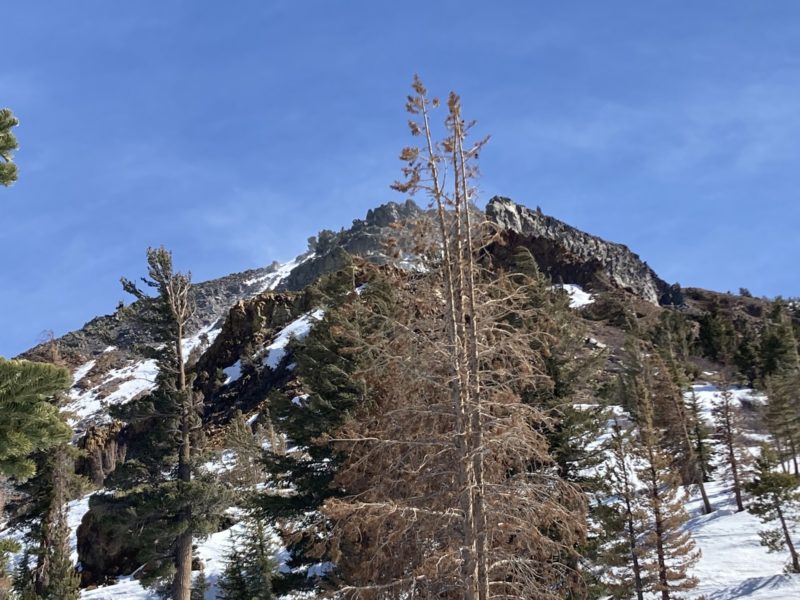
[(190, 343), (83, 371), (75, 513), (272, 280), (134, 379), (299, 400), (297, 329), (708, 395), (233, 372), (577, 297)]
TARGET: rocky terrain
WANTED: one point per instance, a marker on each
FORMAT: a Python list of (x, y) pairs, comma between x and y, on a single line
[(241, 339)]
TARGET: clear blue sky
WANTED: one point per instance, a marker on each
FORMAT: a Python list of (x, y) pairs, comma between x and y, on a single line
[(230, 132)]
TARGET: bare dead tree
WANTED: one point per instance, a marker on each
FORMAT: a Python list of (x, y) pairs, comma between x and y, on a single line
[(449, 489)]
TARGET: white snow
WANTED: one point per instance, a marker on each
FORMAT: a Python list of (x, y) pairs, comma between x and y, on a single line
[(233, 372), (733, 563), (212, 552), (272, 280), (84, 369), (134, 379), (190, 343), (75, 512), (297, 329), (577, 297), (126, 588), (708, 395), (299, 400)]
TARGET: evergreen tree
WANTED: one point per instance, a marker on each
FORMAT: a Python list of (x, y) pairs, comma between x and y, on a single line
[(775, 497), (240, 439), (250, 565), (782, 415), (24, 581), (162, 492), (55, 575), (778, 352), (325, 368), (727, 421), (716, 337), (746, 355), (701, 437), (669, 548), (624, 557), (232, 583), (28, 420), (200, 584), (7, 547), (8, 143)]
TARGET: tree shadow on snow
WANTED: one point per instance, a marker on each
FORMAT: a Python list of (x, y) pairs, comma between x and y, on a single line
[(754, 584)]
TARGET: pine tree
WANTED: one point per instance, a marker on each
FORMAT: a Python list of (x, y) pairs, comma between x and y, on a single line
[(7, 547), (28, 420), (746, 355), (8, 143), (670, 549), (56, 577), (701, 437), (727, 421), (717, 336), (624, 557), (232, 584), (24, 582), (778, 351), (250, 565), (200, 584), (324, 371), (162, 492), (782, 415), (775, 497), (240, 439)]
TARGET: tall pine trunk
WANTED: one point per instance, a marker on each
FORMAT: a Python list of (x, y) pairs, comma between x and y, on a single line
[(182, 584)]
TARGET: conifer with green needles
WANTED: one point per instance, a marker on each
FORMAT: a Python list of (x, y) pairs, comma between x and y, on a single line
[(8, 143), (28, 420), (775, 497)]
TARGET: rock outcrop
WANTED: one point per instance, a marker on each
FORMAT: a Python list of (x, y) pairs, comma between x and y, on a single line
[(569, 255)]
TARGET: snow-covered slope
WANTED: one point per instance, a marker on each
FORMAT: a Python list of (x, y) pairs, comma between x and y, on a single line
[(733, 563)]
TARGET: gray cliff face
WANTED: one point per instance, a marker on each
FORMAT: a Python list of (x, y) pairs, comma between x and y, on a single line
[(566, 254), (569, 255), (366, 238), (123, 329)]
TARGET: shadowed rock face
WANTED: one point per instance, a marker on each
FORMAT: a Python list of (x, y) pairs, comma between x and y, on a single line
[(569, 255)]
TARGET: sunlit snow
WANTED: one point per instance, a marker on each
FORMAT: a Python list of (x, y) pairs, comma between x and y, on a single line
[(577, 297), (272, 280), (297, 329), (133, 380)]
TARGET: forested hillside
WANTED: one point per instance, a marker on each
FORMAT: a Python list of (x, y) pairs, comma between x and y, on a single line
[(437, 402)]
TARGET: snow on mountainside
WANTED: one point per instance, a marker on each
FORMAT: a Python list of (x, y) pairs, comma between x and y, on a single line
[(89, 403), (733, 563)]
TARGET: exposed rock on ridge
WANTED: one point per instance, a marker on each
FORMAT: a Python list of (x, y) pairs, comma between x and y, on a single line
[(569, 255)]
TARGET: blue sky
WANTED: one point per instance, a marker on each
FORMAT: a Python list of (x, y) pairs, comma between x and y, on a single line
[(230, 132)]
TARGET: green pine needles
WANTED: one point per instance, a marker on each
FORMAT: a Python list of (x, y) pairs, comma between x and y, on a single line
[(8, 143), (28, 420)]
